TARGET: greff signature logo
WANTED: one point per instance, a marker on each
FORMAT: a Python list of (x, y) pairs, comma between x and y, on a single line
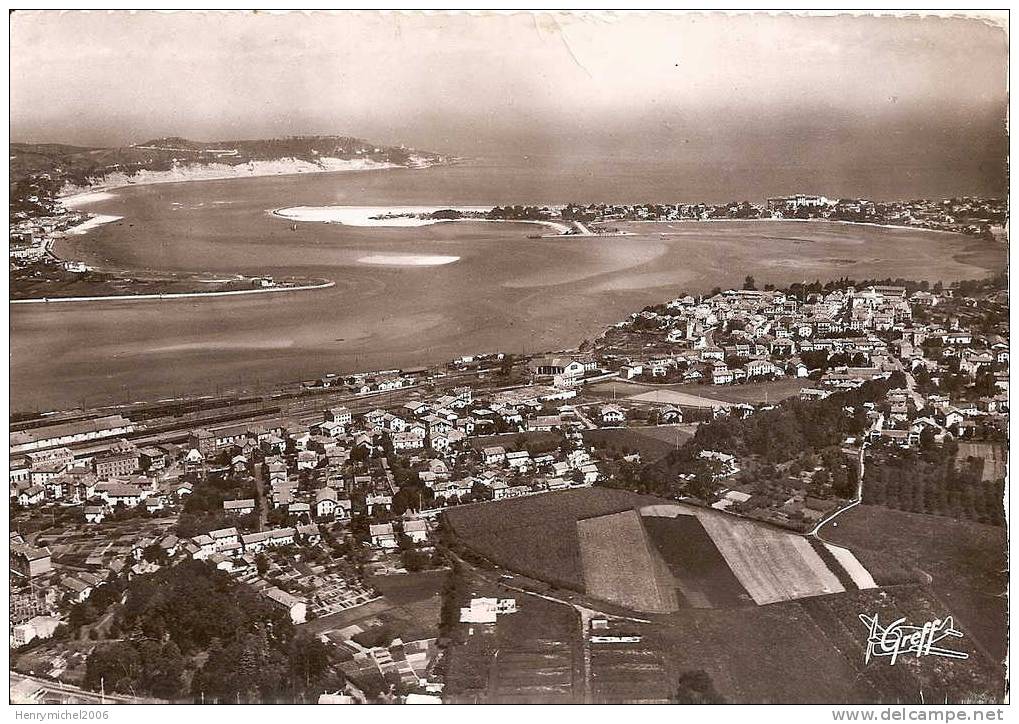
[(898, 639)]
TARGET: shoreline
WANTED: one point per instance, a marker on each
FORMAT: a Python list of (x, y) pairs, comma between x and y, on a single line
[(798, 221), (170, 296), (562, 229), (78, 196)]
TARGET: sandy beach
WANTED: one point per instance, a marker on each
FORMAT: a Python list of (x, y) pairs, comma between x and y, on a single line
[(96, 220), (366, 216), (407, 260), (86, 197), (363, 215)]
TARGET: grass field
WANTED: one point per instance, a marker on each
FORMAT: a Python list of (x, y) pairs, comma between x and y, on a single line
[(995, 457), (406, 588), (667, 396), (976, 679), (754, 392), (619, 565), (966, 562), (652, 442), (759, 655), (614, 389), (812, 651), (693, 395)]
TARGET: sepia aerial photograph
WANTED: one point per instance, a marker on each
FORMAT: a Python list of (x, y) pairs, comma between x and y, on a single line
[(509, 357)]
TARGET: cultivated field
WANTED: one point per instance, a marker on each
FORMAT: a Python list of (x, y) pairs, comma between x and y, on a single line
[(628, 672), (592, 541), (537, 535), (72, 546), (772, 565), (700, 574), (860, 575), (621, 566)]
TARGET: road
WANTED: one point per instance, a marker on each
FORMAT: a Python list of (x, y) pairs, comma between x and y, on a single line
[(584, 418), (918, 400), (855, 502), (263, 503)]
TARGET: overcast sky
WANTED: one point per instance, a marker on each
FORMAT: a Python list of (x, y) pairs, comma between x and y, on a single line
[(742, 89)]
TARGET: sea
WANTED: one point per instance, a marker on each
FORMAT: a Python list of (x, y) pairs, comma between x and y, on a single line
[(507, 291)]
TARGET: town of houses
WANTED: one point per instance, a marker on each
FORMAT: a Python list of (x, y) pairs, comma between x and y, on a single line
[(742, 335), (331, 474), (379, 479)]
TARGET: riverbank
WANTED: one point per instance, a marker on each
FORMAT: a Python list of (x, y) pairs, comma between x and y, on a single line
[(168, 296), (58, 279), (55, 279)]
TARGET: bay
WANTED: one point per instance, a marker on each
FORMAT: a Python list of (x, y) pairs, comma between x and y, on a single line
[(506, 291)]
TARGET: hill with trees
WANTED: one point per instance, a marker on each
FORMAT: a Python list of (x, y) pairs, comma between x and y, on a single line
[(192, 632)]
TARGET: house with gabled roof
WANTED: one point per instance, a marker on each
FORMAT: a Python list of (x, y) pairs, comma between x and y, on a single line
[(239, 507), (382, 535), (416, 530)]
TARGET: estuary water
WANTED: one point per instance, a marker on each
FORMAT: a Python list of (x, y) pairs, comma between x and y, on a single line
[(504, 291)]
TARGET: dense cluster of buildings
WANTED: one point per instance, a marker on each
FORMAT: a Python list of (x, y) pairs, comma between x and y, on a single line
[(333, 474), (969, 215), (741, 335), (35, 223)]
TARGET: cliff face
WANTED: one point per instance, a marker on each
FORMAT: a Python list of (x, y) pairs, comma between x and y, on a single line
[(212, 171), (177, 159)]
